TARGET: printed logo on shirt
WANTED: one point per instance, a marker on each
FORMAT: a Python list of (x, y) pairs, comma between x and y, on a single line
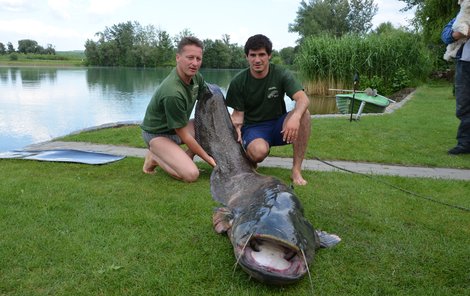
[(273, 92)]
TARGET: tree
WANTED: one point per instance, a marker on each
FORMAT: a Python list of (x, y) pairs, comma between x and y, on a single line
[(130, 44), (28, 46), (166, 51), (333, 17), (384, 28), (10, 48), (124, 37), (321, 17), (412, 3), (238, 59), (185, 33), (360, 15), (50, 49), (91, 53), (3, 49), (430, 18), (216, 54), (288, 55)]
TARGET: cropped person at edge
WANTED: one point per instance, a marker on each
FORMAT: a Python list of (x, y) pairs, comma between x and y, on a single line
[(257, 96), (462, 88), (166, 124)]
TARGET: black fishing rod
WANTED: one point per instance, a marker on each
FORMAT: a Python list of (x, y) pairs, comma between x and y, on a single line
[(356, 82)]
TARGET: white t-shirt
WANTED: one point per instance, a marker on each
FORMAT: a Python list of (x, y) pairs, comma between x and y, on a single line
[(466, 51)]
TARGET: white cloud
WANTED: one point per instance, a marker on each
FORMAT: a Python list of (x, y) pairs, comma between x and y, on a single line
[(42, 33), (60, 8), (106, 6), (15, 5), (390, 11)]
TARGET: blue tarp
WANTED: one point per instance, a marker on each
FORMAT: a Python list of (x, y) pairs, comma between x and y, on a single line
[(63, 155)]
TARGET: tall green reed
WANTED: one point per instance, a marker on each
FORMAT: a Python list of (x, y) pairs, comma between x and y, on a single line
[(327, 62)]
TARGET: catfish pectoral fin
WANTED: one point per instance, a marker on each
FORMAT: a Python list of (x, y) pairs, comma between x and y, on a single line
[(222, 220)]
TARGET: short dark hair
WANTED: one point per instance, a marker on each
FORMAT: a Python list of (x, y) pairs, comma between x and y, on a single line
[(189, 40), (258, 41)]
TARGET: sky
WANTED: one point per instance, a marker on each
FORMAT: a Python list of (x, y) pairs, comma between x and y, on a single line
[(68, 24)]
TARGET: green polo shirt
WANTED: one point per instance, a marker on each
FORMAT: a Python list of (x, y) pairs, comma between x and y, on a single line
[(172, 104), (262, 99)]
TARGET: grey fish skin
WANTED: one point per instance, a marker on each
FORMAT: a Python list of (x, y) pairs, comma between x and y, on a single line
[(272, 240)]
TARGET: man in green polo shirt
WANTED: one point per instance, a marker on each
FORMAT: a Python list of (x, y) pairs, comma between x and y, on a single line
[(257, 96), (166, 124)]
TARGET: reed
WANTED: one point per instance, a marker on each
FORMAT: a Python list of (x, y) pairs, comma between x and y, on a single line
[(328, 62)]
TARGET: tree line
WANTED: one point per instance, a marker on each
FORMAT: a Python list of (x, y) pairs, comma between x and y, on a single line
[(27, 46), (130, 44)]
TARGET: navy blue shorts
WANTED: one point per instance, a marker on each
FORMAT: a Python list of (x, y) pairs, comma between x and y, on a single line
[(269, 130)]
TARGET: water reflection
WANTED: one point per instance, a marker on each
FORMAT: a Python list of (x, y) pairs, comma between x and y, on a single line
[(4, 74), (220, 77), (322, 105), (124, 83), (34, 76)]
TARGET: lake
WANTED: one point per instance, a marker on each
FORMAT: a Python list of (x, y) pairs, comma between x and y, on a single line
[(39, 103)]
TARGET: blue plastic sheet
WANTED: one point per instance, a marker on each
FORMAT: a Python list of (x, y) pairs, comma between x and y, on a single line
[(63, 155)]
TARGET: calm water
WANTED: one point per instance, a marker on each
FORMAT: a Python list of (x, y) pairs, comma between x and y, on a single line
[(39, 104)]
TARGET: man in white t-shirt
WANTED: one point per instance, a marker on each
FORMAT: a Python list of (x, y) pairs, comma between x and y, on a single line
[(462, 88)]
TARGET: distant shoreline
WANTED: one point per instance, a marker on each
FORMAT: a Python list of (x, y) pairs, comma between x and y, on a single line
[(41, 63), (61, 59)]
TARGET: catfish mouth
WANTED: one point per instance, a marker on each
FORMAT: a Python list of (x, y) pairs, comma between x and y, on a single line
[(272, 261)]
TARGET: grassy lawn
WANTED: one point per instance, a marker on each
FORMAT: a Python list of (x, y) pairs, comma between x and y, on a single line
[(418, 134), (71, 229), (61, 59)]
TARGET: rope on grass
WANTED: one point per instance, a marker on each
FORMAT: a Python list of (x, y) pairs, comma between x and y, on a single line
[(396, 187)]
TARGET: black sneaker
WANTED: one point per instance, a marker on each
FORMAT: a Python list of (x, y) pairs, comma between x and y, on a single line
[(459, 150)]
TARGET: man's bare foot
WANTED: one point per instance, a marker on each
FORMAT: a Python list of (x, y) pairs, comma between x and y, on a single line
[(149, 164), (298, 179)]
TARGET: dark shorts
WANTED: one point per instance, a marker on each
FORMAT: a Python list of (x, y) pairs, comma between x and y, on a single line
[(148, 137), (269, 130)]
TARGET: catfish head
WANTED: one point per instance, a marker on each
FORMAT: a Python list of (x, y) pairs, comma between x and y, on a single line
[(272, 240)]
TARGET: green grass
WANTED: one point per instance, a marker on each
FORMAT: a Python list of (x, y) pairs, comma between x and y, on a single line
[(61, 59), (71, 229), (418, 134)]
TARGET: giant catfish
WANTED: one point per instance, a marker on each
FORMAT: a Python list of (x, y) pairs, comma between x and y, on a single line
[(272, 240)]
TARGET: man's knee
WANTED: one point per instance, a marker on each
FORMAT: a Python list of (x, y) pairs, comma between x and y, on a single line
[(258, 150), (190, 175)]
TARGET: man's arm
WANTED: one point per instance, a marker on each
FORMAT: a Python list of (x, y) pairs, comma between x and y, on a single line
[(237, 121), (446, 35), (186, 136), (457, 35), (292, 125), (449, 36)]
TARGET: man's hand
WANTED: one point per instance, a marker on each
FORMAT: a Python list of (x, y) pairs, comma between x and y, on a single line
[(211, 161), (290, 130), (458, 35), (237, 121)]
